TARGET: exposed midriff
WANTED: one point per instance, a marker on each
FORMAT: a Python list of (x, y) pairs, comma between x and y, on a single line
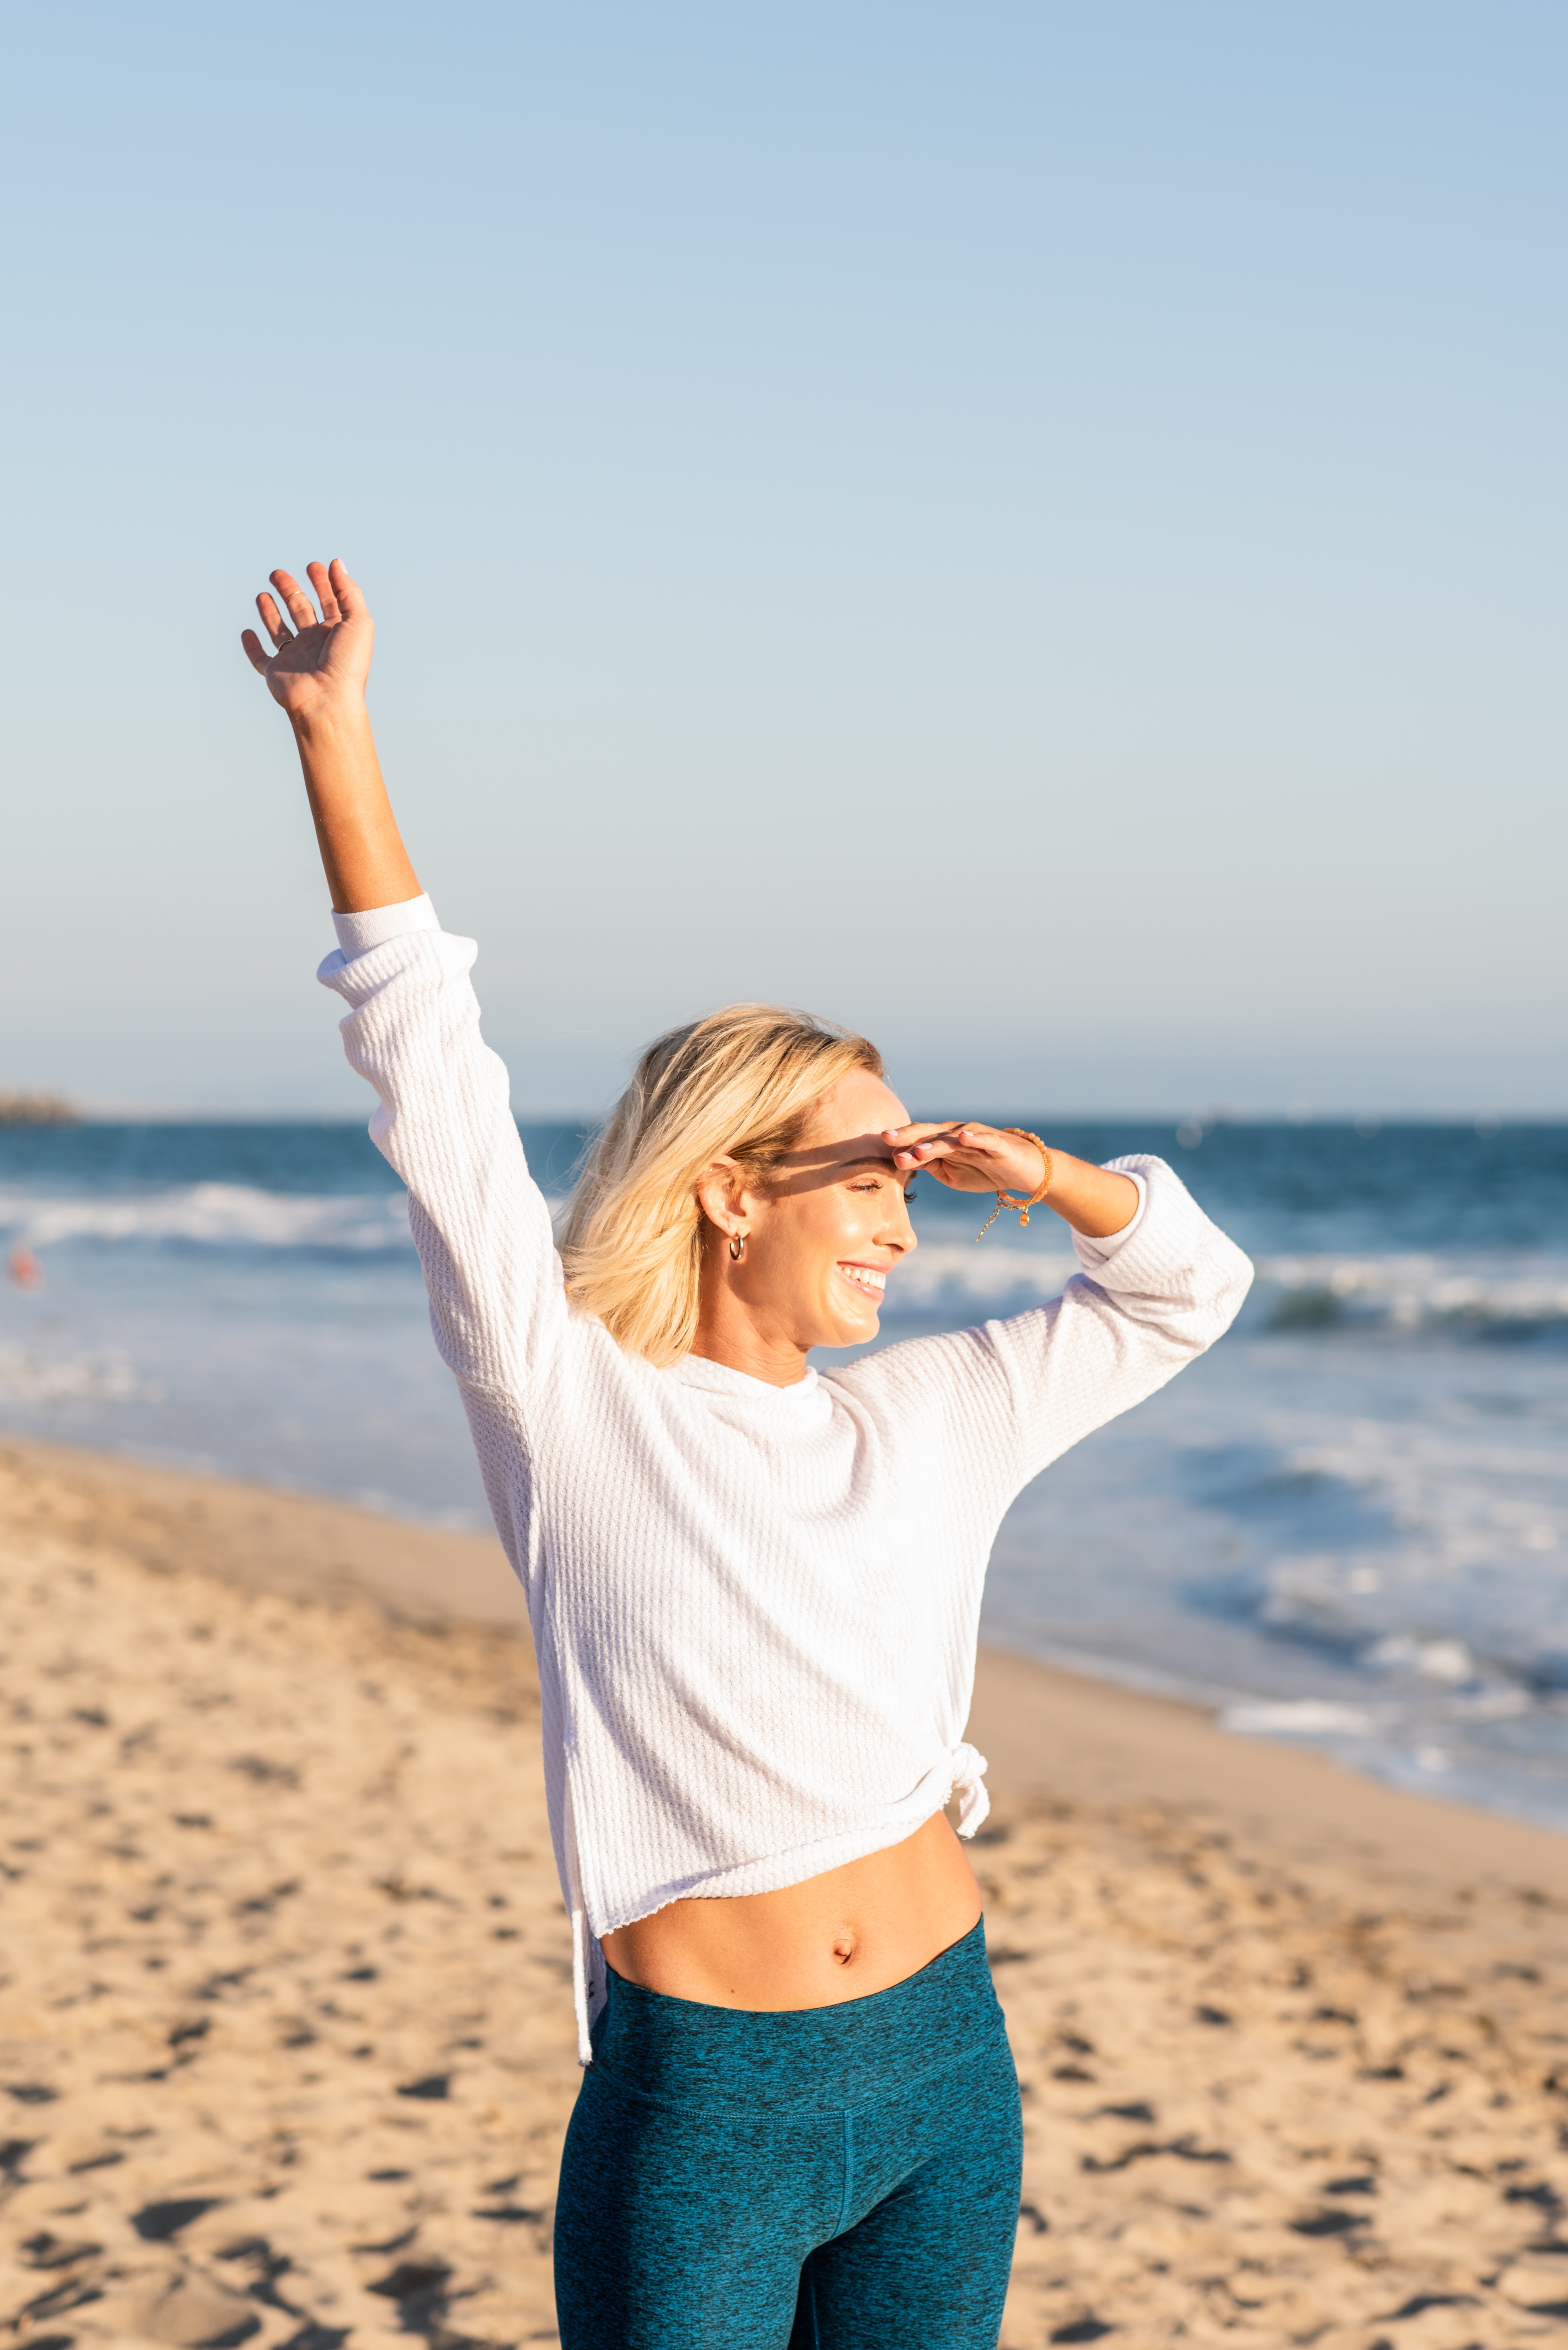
[(851, 1932)]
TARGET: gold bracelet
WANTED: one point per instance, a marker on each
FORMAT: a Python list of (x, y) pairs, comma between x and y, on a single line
[(1005, 1199)]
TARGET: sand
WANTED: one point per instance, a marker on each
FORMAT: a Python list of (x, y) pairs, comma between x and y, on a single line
[(285, 2039)]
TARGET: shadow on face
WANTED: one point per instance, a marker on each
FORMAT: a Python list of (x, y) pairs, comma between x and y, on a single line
[(829, 1228)]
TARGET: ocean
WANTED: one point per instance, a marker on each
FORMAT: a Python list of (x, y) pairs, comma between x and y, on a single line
[(1346, 1526)]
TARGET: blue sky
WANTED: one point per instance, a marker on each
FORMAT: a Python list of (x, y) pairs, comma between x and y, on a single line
[(1035, 530)]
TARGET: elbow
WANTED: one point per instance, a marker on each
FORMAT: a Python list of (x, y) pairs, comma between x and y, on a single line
[(1236, 1276), (1218, 1291)]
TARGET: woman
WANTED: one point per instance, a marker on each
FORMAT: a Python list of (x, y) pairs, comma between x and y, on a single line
[(755, 1592)]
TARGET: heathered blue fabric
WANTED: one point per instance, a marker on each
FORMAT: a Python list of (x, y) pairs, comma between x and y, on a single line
[(828, 2179)]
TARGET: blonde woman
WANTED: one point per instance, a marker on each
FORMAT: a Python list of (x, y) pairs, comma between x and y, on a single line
[(754, 1589)]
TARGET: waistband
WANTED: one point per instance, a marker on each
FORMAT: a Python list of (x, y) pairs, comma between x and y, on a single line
[(690, 2054)]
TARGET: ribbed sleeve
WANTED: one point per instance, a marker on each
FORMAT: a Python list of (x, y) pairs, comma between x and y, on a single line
[(1141, 1308), (445, 1124)]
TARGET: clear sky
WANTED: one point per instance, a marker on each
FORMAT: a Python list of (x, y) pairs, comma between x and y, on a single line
[(1038, 530)]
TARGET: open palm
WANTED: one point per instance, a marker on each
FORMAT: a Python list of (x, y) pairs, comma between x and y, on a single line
[(323, 659)]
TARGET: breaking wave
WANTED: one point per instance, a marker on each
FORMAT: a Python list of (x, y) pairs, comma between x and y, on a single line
[(1413, 1293), (943, 1272), (1299, 1295), (213, 1216)]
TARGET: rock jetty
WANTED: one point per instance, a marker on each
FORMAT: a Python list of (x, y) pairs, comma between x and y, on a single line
[(35, 1109)]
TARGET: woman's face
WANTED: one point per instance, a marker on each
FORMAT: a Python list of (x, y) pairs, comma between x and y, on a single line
[(830, 1230)]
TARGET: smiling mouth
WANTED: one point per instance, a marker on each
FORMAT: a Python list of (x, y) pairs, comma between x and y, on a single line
[(866, 1279)]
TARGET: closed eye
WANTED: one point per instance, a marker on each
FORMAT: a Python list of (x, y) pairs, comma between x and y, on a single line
[(875, 1185)]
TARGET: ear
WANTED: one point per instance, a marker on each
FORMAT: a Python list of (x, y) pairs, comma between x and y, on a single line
[(721, 1194)]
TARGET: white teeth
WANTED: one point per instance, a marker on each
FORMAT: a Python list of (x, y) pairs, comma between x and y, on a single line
[(866, 1277)]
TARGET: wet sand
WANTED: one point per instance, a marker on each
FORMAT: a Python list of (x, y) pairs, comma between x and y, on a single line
[(285, 2039)]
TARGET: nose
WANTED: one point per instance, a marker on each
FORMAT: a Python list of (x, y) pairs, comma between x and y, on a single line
[(898, 1231)]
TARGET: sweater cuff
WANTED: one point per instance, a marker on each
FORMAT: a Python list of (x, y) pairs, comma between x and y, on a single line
[(358, 933), (1169, 1240), (1093, 1254)]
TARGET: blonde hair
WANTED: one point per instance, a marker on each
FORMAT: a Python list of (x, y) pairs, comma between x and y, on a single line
[(741, 1085)]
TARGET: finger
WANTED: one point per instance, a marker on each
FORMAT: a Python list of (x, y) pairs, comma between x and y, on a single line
[(272, 620), (350, 602), (926, 1153), (301, 610), (917, 1143), (984, 1141), (250, 645), (320, 579), (906, 1140), (907, 1137)]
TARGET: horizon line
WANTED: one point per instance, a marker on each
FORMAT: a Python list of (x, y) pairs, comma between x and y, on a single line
[(1208, 1117)]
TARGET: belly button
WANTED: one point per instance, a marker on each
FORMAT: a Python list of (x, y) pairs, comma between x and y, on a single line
[(844, 1949)]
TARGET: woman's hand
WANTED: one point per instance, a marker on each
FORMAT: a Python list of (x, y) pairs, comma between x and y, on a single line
[(320, 665), (1094, 1200), (970, 1157)]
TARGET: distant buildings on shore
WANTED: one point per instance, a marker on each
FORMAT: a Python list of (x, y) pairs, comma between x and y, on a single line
[(35, 1109)]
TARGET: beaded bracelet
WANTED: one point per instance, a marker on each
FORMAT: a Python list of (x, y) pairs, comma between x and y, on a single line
[(1005, 1199)]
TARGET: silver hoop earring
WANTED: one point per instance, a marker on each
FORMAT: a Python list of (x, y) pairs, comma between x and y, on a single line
[(737, 1247)]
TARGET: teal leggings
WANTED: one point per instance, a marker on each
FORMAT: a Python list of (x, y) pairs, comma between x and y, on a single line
[(828, 2179)]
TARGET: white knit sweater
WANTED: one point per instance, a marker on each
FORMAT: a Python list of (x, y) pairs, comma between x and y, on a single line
[(755, 1608)]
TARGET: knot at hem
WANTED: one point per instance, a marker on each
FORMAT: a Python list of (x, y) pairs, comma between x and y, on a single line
[(969, 1769)]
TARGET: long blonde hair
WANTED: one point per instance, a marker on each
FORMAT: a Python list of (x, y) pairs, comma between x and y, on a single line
[(741, 1085)]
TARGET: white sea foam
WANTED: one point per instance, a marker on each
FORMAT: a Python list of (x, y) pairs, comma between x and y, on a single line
[(213, 1215), (1402, 1293), (1412, 1293), (940, 1271), (40, 1379), (1305, 1293), (1304, 1717), (238, 1216)]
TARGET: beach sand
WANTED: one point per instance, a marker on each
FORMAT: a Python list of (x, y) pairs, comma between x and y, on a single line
[(285, 2035)]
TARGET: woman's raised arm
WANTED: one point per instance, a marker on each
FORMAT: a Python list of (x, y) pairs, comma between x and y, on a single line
[(444, 1119), (316, 673)]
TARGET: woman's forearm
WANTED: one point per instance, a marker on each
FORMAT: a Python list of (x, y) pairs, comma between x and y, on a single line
[(1095, 1201), (361, 847)]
